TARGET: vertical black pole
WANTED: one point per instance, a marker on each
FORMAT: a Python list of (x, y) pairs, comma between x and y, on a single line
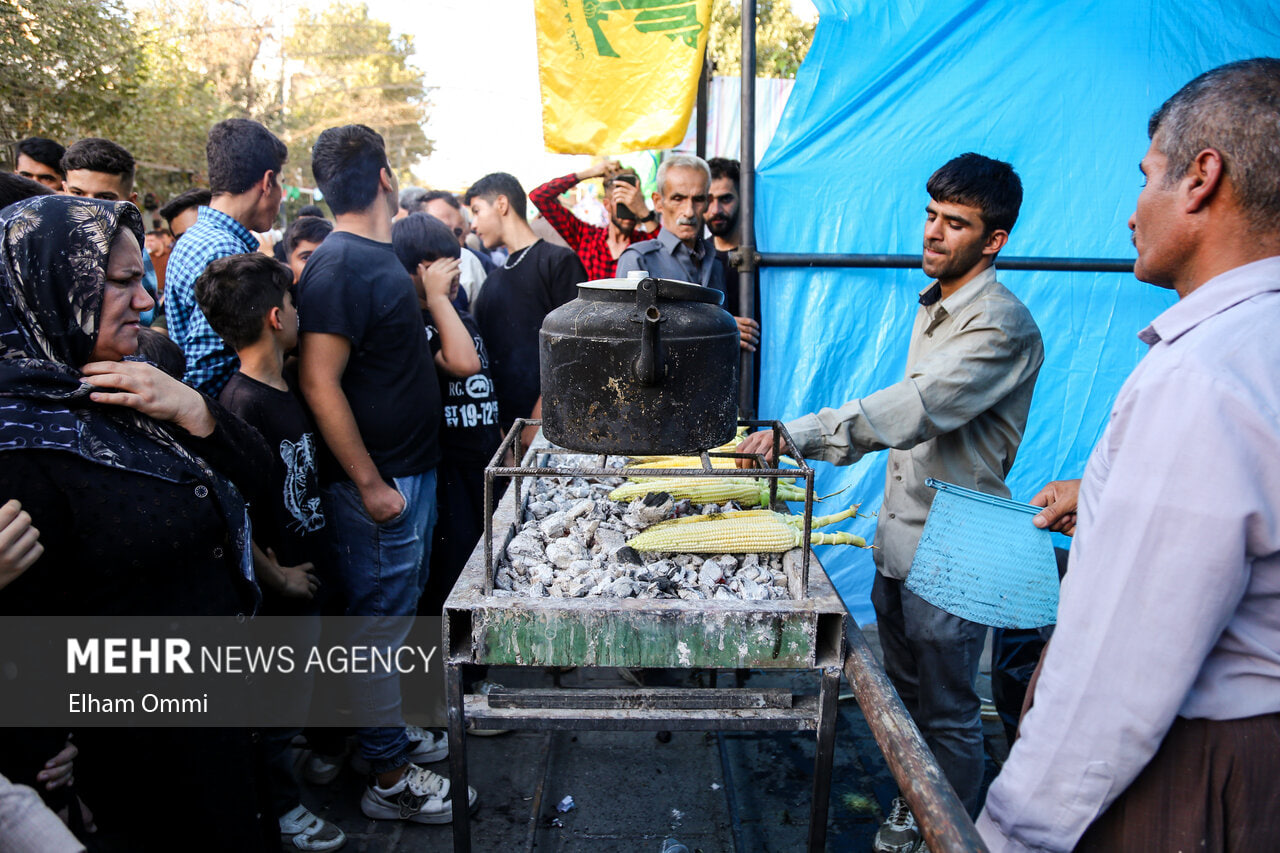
[(704, 106), (747, 187)]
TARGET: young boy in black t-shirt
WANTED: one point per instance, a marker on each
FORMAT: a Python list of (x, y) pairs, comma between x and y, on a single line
[(247, 301), (429, 251)]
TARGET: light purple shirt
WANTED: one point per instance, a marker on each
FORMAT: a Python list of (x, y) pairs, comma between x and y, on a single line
[(1171, 603)]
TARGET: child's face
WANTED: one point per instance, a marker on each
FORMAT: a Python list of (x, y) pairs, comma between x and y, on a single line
[(298, 257), (288, 323)]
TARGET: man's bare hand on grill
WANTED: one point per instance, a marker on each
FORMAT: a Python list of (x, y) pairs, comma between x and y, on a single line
[(757, 443)]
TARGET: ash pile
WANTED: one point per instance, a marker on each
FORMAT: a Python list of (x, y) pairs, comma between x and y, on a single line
[(574, 545)]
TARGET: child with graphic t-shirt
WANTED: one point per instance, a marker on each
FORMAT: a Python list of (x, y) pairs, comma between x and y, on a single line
[(428, 249), (248, 302)]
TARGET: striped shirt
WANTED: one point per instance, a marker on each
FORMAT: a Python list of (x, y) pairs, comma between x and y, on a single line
[(210, 362)]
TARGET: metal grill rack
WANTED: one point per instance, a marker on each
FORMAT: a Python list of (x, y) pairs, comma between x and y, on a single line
[(804, 632)]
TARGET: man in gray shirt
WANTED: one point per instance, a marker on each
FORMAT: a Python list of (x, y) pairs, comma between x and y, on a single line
[(681, 251), (958, 416)]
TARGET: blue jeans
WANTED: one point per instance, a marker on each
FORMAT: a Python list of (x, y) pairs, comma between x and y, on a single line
[(932, 657), (382, 569)]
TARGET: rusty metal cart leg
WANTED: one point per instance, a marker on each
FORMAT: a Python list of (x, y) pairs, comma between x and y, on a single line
[(458, 760), (824, 757)]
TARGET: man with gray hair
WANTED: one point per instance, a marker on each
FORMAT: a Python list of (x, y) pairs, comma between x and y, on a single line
[(681, 251), (1155, 722)]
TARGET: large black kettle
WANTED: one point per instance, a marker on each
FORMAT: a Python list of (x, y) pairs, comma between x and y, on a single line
[(639, 366)]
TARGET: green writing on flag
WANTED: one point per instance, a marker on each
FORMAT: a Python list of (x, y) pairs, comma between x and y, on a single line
[(673, 18)]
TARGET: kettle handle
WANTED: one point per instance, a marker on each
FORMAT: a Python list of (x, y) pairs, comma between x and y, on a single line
[(650, 366)]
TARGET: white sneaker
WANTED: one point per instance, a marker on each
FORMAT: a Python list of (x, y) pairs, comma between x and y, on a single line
[(321, 769), (420, 797), (429, 745), (306, 831), (899, 832)]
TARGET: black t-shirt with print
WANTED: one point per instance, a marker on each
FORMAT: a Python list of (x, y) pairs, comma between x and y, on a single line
[(356, 288), (470, 434), (509, 312), (291, 524)]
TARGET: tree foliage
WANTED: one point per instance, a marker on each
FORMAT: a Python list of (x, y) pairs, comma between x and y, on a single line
[(67, 67), (156, 80), (351, 69), (782, 39)]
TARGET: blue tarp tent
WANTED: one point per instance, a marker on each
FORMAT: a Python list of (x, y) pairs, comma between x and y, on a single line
[(891, 90)]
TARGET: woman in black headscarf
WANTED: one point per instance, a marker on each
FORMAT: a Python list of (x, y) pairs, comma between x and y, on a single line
[(132, 479)]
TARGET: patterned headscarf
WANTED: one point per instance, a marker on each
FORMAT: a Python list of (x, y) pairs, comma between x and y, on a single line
[(52, 277)]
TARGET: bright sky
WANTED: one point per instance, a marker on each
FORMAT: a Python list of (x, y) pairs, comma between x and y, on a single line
[(486, 114)]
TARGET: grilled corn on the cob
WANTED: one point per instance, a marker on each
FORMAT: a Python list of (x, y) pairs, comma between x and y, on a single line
[(750, 532)]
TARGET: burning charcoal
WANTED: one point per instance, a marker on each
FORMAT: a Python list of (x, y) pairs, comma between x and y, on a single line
[(750, 560), (628, 554), (579, 588), (579, 509), (690, 560), (525, 546), (608, 541), (579, 567), (621, 588), (553, 526), (753, 591), (649, 509), (586, 530), (684, 506), (503, 580), (691, 595), (710, 574), (708, 509), (659, 567), (721, 593), (541, 509), (541, 573), (562, 552), (665, 585), (537, 590)]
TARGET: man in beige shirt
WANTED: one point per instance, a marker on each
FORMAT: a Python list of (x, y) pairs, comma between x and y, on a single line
[(958, 416)]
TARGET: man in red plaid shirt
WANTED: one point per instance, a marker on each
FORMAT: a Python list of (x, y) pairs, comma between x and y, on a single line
[(598, 248)]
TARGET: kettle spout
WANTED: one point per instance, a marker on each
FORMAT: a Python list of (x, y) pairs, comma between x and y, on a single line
[(650, 368)]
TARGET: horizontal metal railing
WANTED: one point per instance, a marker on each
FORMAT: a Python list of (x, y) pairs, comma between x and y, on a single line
[(877, 261)]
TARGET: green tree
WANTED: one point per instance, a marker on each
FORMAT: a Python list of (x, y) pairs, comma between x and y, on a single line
[(68, 68), (346, 67), (782, 39)]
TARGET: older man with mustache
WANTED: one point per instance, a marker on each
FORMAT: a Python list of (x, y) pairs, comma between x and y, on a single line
[(681, 251)]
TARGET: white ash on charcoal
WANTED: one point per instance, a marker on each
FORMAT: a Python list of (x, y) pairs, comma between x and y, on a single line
[(573, 544)]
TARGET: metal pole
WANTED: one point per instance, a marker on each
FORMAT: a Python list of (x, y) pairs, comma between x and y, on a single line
[(704, 104), (943, 821), (458, 759), (747, 189), (906, 262)]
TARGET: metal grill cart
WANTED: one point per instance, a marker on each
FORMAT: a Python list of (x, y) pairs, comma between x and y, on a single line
[(805, 631)]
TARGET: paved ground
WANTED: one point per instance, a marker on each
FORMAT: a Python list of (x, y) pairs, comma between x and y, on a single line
[(716, 792)]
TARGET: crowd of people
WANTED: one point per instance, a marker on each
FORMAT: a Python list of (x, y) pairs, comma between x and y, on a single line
[(346, 381), (201, 419)]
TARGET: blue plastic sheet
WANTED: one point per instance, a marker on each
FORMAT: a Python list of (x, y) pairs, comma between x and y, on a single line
[(892, 90)]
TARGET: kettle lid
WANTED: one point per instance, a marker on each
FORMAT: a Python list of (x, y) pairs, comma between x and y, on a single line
[(669, 289)]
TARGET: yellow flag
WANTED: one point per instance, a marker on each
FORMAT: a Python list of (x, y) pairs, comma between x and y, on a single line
[(619, 75)]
